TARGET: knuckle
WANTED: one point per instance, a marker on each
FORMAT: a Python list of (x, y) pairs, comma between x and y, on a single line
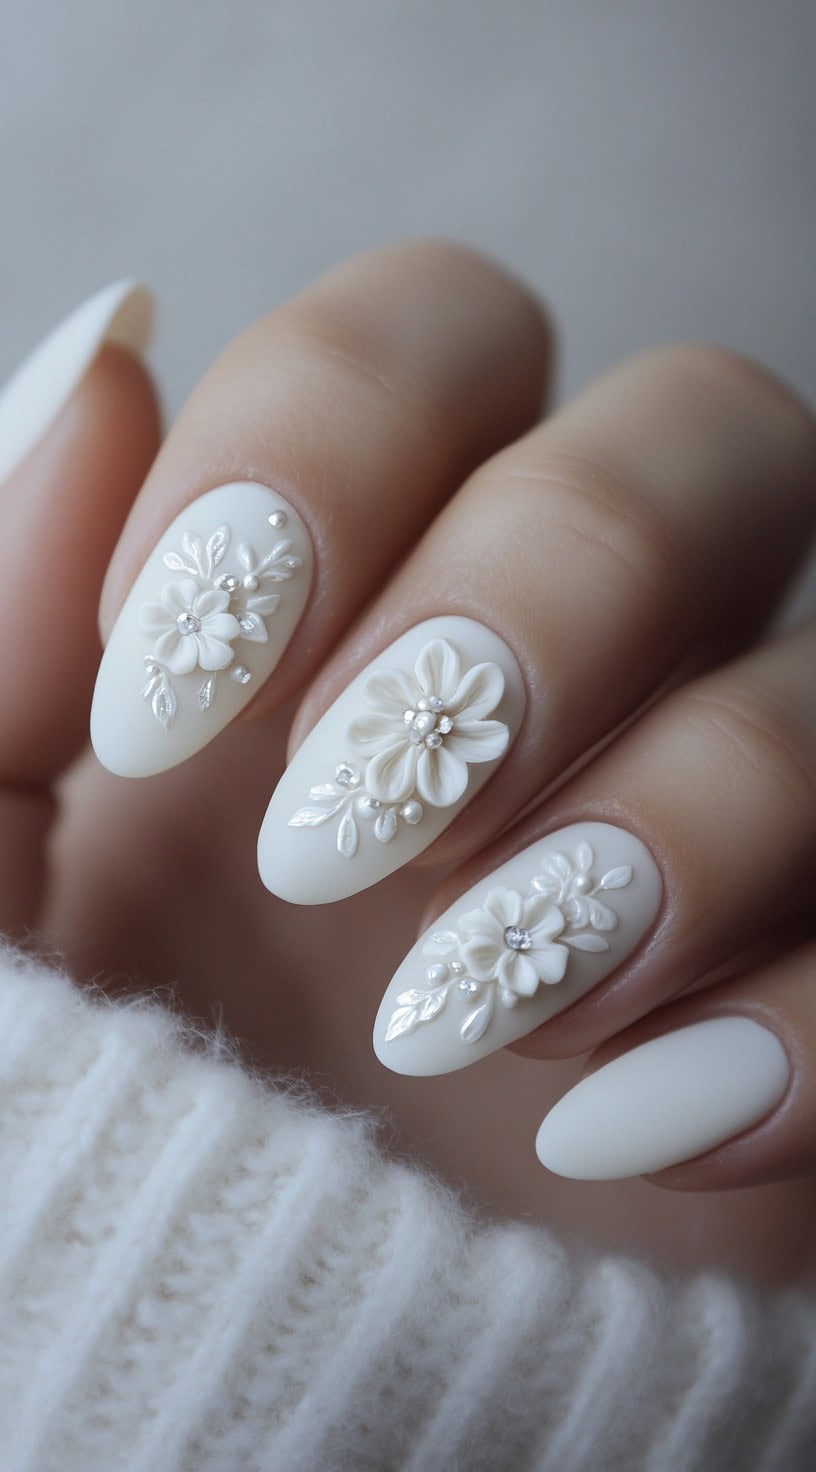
[(754, 735)]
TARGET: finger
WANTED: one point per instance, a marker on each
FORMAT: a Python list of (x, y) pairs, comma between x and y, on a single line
[(78, 429), (710, 799), (715, 1092), (307, 460), (593, 550)]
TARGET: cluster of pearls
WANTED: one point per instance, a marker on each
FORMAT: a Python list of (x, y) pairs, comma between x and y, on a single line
[(428, 724)]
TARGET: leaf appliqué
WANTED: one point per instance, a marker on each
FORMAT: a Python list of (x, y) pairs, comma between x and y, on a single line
[(617, 878), (477, 1022), (164, 703), (206, 693), (311, 817), (348, 836)]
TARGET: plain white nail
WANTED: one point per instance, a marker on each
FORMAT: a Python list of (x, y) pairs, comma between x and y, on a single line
[(391, 763), (521, 945), (120, 314), (665, 1102), (202, 628)]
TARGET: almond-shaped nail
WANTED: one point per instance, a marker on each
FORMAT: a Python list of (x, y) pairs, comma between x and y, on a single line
[(666, 1102), (517, 948), (202, 628), (32, 398), (409, 742)]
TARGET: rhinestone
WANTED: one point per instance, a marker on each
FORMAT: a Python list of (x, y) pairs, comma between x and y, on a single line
[(434, 740), (468, 987), (436, 974), (517, 938), (291, 563), (250, 582), (346, 775), (187, 623), (411, 811), (508, 998), (278, 519), (436, 703), (241, 674), (227, 583), (368, 806), (444, 724), (423, 704), (246, 623), (457, 968), (151, 668)]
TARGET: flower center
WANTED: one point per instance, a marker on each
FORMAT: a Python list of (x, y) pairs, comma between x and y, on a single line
[(517, 938), (428, 724), (187, 623)]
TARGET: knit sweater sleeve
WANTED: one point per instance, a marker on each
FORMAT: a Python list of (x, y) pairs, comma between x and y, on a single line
[(202, 1272)]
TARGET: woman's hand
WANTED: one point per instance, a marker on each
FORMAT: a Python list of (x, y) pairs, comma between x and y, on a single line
[(590, 711)]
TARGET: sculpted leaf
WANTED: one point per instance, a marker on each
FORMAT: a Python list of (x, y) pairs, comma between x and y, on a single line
[(584, 856), (433, 1003), (547, 884), (476, 1023), (163, 704), (311, 817), (386, 825), (558, 865), (348, 836), (176, 563), (403, 1020), (206, 694), (152, 684), (193, 547), (601, 917), (252, 628), (587, 942), (576, 911), (617, 878), (246, 556), (279, 550), (263, 603), (217, 545), (413, 997), (322, 790)]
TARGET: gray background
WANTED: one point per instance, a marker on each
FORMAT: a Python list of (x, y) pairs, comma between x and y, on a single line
[(648, 164)]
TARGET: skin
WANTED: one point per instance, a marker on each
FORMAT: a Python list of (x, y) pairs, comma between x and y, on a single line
[(630, 549)]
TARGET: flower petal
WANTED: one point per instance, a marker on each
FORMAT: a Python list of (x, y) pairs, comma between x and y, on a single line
[(437, 669), (391, 692), (480, 958), (550, 962), (179, 597), (484, 926), (390, 775), (212, 600), (517, 972), (153, 618), (479, 692), (478, 741), (376, 730), (506, 905), (212, 653), (220, 626), (441, 778), (542, 918), (177, 651)]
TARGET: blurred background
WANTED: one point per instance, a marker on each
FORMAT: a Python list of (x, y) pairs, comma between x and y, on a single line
[(648, 165)]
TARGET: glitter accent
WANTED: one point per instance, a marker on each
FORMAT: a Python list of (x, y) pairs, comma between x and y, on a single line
[(187, 623), (227, 583), (346, 775), (517, 938), (241, 674)]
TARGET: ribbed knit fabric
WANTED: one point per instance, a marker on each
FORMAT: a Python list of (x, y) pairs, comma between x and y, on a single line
[(200, 1272)]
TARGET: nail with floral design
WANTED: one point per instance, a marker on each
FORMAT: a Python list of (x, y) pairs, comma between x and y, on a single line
[(519, 947), (388, 767), (204, 625)]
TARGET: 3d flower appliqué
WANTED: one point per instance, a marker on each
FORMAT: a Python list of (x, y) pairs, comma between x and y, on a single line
[(423, 729), (502, 952), (199, 616)]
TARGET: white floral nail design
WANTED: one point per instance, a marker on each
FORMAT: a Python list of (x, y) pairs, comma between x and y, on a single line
[(196, 619), (513, 943), (422, 732)]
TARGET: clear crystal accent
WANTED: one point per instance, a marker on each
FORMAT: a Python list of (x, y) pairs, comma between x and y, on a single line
[(368, 805), (246, 623), (187, 623), (445, 725), (227, 583), (436, 703), (433, 740), (241, 674), (346, 774), (437, 973), (468, 987), (517, 938), (278, 519)]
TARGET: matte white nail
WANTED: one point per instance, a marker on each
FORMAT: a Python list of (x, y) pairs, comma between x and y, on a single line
[(517, 948), (204, 625), (665, 1102), (32, 398), (391, 763)]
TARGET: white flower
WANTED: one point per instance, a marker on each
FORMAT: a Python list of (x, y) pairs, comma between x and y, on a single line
[(424, 728), (510, 940), (191, 627)]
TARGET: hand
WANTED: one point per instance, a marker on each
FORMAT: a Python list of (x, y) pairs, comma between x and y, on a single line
[(627, 553)]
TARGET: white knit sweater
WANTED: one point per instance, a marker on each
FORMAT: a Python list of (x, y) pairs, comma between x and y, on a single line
[(202, 1272)]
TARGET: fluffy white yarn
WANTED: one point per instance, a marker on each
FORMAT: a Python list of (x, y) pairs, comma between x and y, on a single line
[(199, 1273)]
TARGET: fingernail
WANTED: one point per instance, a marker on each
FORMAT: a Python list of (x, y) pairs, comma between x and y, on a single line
[(517, 948), (404, 748), (120, 314), (204, 625), (667, 1101)]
